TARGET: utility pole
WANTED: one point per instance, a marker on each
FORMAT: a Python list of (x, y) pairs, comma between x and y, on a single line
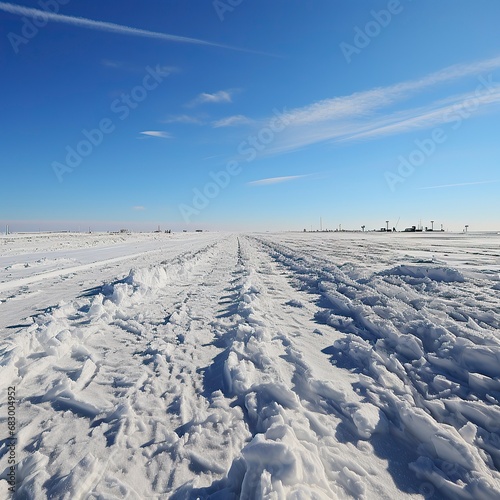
[(320, 224)]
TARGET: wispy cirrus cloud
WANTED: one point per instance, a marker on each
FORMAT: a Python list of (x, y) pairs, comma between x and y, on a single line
[(186, 119), (371, 113), (83, 22), (438, 113), (276, 180), (460, 184), (221, 96), (138, 208), (362, 103), (232, 121), (211, 157), (157, 133)]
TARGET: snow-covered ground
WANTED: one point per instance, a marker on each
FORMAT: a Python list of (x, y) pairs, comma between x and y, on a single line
[(291, 365)]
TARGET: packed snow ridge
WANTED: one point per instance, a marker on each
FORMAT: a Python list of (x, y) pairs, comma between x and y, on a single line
[(305, 366)]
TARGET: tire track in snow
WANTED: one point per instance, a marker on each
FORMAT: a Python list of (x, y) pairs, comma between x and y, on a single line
[(20, 282), (203, 375), (435, 386), (17, 305), (471, 301), (293, 415), (123, 371)]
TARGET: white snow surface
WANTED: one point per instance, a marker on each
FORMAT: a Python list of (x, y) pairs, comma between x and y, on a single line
[(288, 365)]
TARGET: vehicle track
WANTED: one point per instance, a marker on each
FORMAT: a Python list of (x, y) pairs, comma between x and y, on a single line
[(432, 376), (123, 369), (252, 369)]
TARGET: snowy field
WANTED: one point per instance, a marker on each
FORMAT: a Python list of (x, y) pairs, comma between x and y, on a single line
[(291, 365)]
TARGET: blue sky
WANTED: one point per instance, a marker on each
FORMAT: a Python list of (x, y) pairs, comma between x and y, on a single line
[(257, 116)]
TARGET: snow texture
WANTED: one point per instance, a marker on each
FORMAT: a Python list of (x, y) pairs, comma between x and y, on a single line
[(301, 366)]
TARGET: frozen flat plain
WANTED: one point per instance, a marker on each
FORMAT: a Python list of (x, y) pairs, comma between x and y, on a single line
[(289, 365)]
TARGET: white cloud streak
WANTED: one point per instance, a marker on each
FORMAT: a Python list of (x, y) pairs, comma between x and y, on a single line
[(364, 115), (459, 184), (157, 133), (185, 119), (231, 121), (276, 180), (365, 102), (82, 22), (426, 117), (222, 96)]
